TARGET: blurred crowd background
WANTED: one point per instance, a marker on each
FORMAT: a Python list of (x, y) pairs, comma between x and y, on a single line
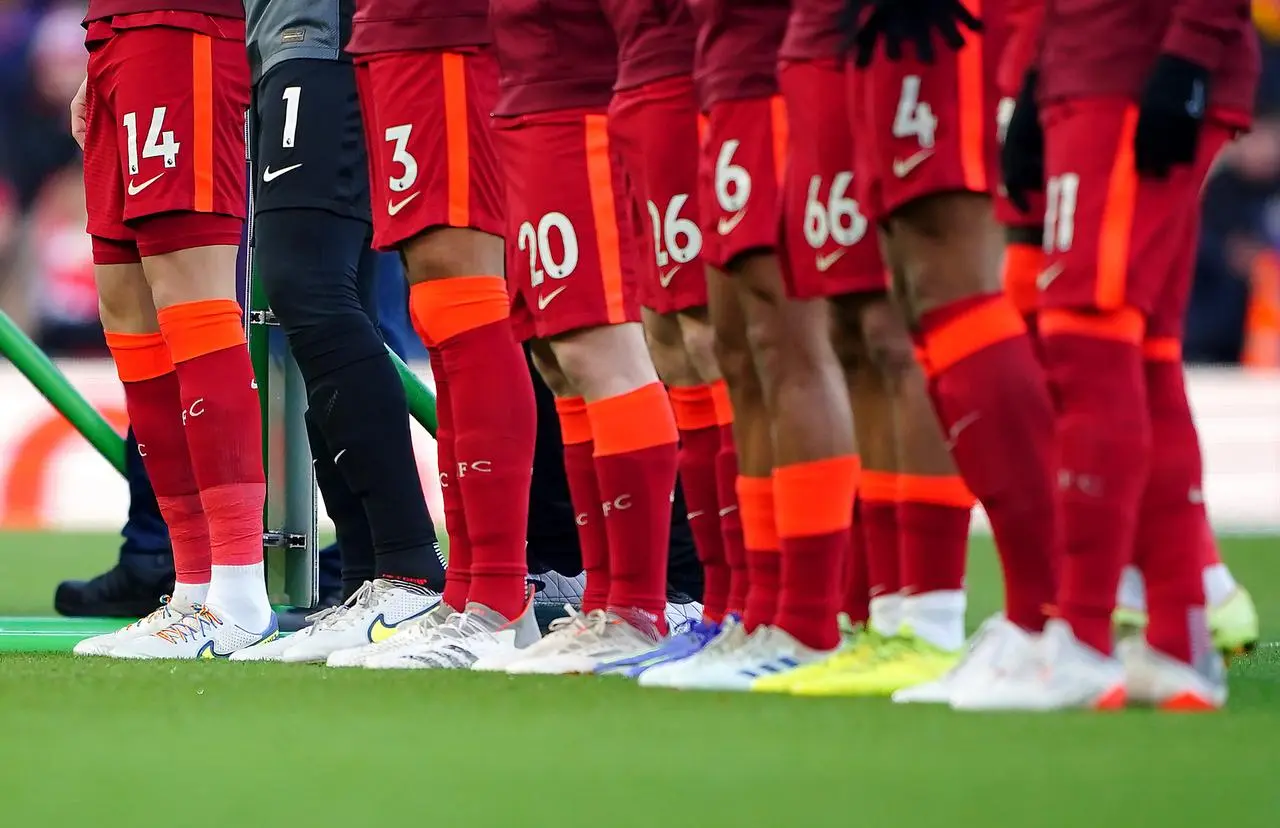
[(46, 281)]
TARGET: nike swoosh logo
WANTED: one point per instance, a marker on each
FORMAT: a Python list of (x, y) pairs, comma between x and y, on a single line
[(728, 510), (208, 652), (824, 263), (545, 299), (269, 174), (664, 279), (904, 167), (1048, 275), (727, 224), (694, 515), (380, 630), (394, 207), (134, 189)]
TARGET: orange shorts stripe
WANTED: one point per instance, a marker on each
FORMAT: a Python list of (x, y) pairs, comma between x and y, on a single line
[(981, 327), (703, 126), (971, 93), (778, 114), (202, 105), (604, 211), (457, 148), (1117, 220), (1124, 325), (1162, 349)]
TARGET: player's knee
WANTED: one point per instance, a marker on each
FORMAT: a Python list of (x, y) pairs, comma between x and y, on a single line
[(605, 361), (442, 252), (548, 367), (124, 299), (666, 347), (888, 346), (948, 247), (700, 345), (189, 257)]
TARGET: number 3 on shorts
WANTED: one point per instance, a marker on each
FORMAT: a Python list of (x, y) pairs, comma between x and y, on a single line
[(914, 117)]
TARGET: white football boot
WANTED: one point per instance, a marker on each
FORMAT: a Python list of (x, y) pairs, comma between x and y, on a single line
[(369, 616), (408, 635), (102, 645), (721, 651), (201, 633), (272, 650), (1063, 673), (1157, 680), (478, 634), (998, 645), (583, 644), (769, 651)]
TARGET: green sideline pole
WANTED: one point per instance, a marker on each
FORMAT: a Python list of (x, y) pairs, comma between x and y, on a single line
[(54, 386), (422, 403)]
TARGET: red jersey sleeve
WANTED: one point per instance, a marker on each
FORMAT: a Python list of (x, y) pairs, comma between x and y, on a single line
[(1025, 21), (1201, 30)]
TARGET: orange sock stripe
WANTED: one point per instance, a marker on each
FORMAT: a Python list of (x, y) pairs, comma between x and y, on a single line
[(633, 421), (694, 407), (815, 498), (1123, 325), (193, 329), (756, 508), (575, 425), (446, 308), (939, 491), (723, 403), (139, 357), (1022, 266), (879, 486), (978, 328), (1162, 349)]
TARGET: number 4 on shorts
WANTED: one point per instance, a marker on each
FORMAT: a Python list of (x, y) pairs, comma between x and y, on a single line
[(914, 117)]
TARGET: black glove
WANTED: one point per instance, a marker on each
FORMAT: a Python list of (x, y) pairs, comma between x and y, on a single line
[(1022, 154), (894, 22), (1170, 114)]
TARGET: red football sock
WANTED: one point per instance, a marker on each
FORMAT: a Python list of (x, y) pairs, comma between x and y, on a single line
[(990, 393), (933, 524), (457, 575), (696, 420), (584, 493), (223, 423), (879, 512), (1104, 445), (764, 559), (814, 509), (1169, 549), (857, 581), (154, 402), (735, 553), (494, 423), (635, 448)]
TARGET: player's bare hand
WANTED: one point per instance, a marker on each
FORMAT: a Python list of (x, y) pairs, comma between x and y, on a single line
[(894, 23), (79, 115)]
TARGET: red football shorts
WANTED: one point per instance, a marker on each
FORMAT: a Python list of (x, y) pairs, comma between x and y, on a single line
[(432, 161), (654, 129), (925, 129), (740, 176), (166, 99), (566, 196), (829, 247), (1114, 239)]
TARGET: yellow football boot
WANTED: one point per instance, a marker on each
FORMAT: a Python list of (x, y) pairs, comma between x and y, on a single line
[(1232, 623), (859, 651), (905, 662)]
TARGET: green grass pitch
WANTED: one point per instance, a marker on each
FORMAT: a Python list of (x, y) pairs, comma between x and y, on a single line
[(105, 744)]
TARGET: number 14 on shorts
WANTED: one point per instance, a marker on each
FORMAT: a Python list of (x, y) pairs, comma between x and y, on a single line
[(158, 144)]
